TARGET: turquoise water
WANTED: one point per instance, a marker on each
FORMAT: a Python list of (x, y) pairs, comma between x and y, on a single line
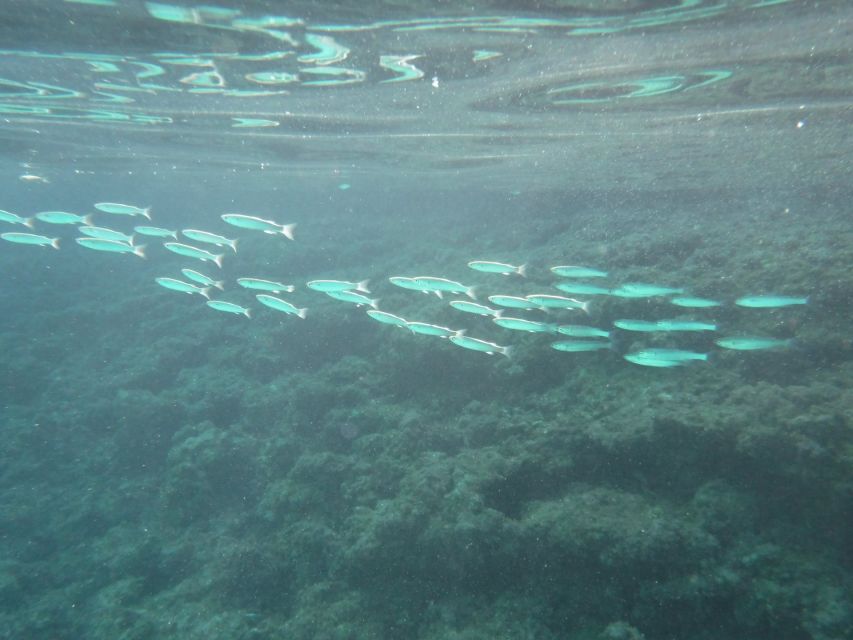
[(171, 470)]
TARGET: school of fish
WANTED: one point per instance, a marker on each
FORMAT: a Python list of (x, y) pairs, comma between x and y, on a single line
[(506, 312)]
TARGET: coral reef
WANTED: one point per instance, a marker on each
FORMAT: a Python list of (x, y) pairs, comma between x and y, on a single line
[(186, 476)]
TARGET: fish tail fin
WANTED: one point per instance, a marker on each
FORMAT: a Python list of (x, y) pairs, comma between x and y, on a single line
[(233, 244), (362, 286), (87, 220), (55, 243), (147, 212), (174, 234), (29, 222), (247, 313), (218, 260), (374, 303), (586, 306), (498, 313), (439, 294), (139, 250), (220, 285), (471, 292), (460, 333), (506, 351), (290, 288), (302, 313), (287, 230), (205, 292), (130, 240), (522, 271)]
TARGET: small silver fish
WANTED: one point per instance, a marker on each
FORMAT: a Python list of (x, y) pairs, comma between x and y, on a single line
[(229, 307), (513, 302), (520, 324), (679, 355), (438, 285), (106, 234), (30, 238), (123, 209), (388, 318), (63, 217), (749, 343), (636, 325), (265, 285), (280, 305), (14, 218), (338, 285), (472, 307), (581, 288), (685, 325), (202, 279), (405, 283), (210, 238), (31, 177), (558, 302), (427, 329), (580, 346), (352, 296), (770, 302), (184, 287), (643, 290), (194, 252), (155, 232), (475, 344), (111, 246), (580, 331), (568, 271), (487, 266), (259, 224), (649, 361), (693, 302)]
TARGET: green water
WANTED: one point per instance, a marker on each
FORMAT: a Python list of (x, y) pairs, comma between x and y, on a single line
[(173, 469)]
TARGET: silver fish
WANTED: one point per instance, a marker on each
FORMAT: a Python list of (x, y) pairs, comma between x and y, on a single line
[(520, 324), (487, 266), (229, 307), (155, 232), (123, 209), (388, 318), (338, 285), (111, 246), (14, 218), (180, 285), (475, 344), (63, 217), (568, 271), (259, 224), (265, 285), (770, 302), (352, 296), (106, 234), (472, 307), (427, 329), (30, 238), (280, 305), (210, 238), (194, 252), (207, 281)]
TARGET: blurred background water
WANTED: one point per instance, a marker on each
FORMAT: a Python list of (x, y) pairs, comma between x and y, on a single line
[(173, 472)]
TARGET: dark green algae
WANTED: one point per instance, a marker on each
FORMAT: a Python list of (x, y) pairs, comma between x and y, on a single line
[(337, 479)]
